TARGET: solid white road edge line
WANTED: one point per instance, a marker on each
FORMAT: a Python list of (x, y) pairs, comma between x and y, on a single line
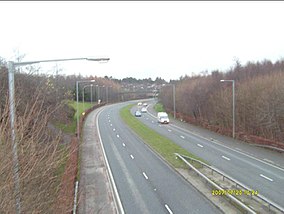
[(118, 204), (270, 161)]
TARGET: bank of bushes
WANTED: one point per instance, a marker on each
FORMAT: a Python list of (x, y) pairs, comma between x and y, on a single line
[(259, 101)]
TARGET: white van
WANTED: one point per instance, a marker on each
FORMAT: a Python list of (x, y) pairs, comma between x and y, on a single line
[(163, 117)]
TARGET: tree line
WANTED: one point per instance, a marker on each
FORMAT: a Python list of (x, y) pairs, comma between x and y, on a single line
[(259, 100)]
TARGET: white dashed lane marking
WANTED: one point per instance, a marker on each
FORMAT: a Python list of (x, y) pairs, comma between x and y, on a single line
[(168, 208), (267, 178), (182, 137), (226, 158), (200, 145), (132, 157), (144, 174)]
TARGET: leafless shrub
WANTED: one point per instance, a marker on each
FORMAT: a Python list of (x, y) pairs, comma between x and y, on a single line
[(40, 155), (259, 95)]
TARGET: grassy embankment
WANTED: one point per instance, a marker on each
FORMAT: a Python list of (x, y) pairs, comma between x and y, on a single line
[(71, 127), (160, 144), (159, 107)]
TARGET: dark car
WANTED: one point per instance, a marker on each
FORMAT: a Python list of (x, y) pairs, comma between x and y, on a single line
[(138, 114)]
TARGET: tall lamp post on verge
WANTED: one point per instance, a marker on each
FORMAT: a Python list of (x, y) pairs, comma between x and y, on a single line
[(233, 86), (11, 77), (91, 94), (83, 94), (77, 103), (174, 98), (174, 95), (98, 91), (107, 92), (106, 87)]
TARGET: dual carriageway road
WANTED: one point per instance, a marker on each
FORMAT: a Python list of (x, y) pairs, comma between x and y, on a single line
[(146, 184)]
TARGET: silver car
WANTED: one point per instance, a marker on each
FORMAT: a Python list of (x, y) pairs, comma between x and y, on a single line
[(138, 114)]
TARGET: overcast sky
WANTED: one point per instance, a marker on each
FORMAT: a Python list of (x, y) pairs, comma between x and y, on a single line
[(143, 39)]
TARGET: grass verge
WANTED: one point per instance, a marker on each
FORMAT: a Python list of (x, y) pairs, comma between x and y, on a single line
[(159, 107), (71, 127), (160, 144), (81, 107)]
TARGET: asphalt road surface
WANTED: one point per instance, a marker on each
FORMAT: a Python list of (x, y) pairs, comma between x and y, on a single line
[(145, 183), (258, 168)]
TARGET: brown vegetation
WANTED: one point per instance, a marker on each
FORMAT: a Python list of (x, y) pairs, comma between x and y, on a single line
[(47, 168), (259, 93), (39, 153), (41, 156)]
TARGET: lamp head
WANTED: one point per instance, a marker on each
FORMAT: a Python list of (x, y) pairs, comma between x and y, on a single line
[(98, 59)]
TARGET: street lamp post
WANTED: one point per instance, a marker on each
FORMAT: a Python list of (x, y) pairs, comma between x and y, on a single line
[(83, 94), (233, 86), (91, 94), (98, 93), (11, 76), (11, 69), (174, 98), (107, 92), (77, 101)]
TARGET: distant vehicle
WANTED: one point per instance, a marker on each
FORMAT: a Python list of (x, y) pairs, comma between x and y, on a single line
[(143, 110), (138, 114), (163, 117), (140, 104), (145, 104)]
